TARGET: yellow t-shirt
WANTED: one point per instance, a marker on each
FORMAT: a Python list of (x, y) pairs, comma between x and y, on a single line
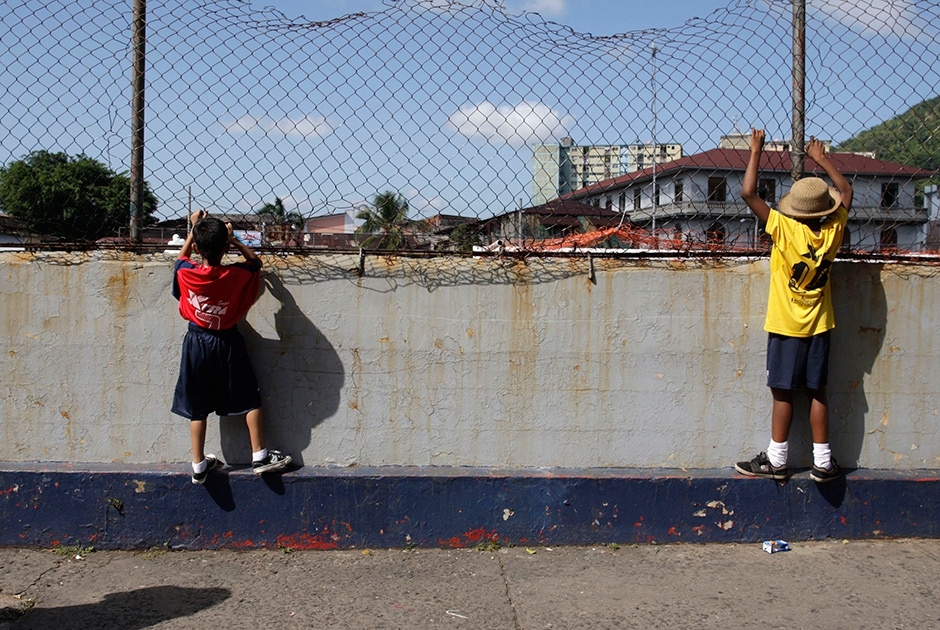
[(800, 304)]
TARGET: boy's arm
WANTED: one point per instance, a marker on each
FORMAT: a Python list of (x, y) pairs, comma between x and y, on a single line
[(243, 249), (817, 153), (749, 187), (187, 248)]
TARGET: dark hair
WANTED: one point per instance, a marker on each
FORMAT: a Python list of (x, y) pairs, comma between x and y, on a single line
[(211, 237)]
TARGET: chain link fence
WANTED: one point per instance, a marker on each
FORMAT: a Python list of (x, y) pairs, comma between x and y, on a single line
[(437, 125)]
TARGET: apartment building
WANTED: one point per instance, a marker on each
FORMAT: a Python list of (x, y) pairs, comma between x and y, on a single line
[(559, 169)]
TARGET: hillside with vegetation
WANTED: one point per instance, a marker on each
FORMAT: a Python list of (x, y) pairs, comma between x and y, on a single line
[(911, 138)]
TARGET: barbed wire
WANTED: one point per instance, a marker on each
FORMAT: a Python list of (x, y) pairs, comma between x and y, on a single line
[(494, 130)]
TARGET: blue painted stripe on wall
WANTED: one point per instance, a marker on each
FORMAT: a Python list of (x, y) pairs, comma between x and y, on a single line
[(45, 505)]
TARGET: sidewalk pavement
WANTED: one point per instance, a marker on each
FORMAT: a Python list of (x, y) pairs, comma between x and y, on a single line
[(821, 585)]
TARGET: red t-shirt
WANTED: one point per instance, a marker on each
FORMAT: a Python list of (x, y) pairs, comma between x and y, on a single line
[(216, 297)]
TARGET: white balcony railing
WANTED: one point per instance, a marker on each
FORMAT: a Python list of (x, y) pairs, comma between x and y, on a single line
[(738, 210)]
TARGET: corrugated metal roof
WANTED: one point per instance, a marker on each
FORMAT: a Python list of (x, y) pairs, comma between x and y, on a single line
[(565, 211), (570, 207)]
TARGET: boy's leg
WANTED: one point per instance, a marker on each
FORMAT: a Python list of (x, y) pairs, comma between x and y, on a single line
[(255, 421), (202, 464), (819, 416), (783, 359), (243, 393), (824, 466), (197, 434), (772, 463), (782, 414), (817, 374), (781, 419), (263, 460)]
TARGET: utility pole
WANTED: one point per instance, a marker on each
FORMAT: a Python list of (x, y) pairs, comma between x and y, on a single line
[(138, 46), (797, 150), (653, 50)]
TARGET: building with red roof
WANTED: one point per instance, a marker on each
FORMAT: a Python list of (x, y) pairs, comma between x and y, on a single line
[(698, 198)]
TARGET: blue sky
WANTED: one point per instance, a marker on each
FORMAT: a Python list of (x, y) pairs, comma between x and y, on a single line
[(735, 81), (436, 100), (597, 17)]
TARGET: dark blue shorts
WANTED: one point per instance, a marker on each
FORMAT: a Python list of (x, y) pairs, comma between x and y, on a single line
[(215, 375), (798, 362)]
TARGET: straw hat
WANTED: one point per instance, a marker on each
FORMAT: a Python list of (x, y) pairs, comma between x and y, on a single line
[(810, 198)]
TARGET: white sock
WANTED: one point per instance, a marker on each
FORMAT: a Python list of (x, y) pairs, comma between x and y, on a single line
[(260, 455), (822, 455), (200, 467), (777, 453)]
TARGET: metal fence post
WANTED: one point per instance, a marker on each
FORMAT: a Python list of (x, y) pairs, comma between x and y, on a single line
[(248, 104), (797, 149), (139, 40), (653, 199)]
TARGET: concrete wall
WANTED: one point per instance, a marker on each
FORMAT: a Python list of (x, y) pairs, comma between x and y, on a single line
[(452, 362)]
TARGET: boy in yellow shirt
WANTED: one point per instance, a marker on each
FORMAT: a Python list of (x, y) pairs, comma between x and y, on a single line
[(807, 231)]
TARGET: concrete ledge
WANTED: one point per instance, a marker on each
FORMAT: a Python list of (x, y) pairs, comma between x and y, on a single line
[(136, 507)]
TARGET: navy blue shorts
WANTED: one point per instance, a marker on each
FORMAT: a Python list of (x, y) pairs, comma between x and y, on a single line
[(215, 375), (798, 362)]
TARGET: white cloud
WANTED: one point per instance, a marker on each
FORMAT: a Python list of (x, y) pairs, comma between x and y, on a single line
[(302, 126), (546, 8), (882, 16), (516, 125)]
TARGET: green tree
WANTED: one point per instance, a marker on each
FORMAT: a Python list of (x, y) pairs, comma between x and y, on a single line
[(70, 198), (911, 138), (465, 236), (385, 220)]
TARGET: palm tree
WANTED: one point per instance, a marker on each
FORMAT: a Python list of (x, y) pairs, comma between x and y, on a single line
[(285, 222), (385, 220), (275, 213), (272, 210)]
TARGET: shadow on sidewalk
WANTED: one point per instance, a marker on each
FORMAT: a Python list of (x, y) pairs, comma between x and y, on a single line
[(129, 610)]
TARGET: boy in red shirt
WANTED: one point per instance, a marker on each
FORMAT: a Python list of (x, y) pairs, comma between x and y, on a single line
[(215, 371)]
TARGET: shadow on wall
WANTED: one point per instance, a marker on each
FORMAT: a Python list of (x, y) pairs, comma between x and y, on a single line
[(435, 272), (300, 375), (861, 317)]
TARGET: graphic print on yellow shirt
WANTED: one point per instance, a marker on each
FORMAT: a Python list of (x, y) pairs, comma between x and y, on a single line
[(800, 303)]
